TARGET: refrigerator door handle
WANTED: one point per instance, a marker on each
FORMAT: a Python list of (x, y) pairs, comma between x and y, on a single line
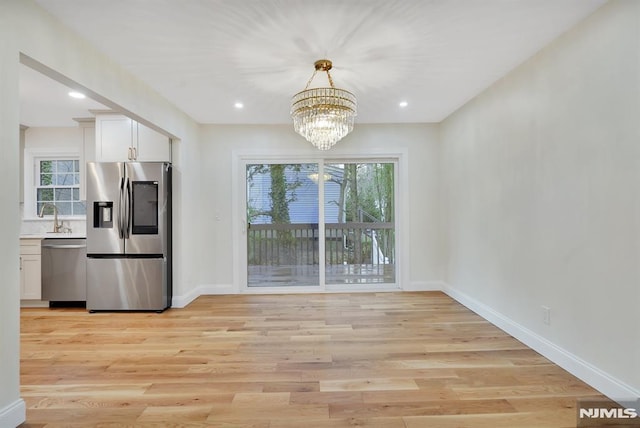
[(127, 208), (121, 210)]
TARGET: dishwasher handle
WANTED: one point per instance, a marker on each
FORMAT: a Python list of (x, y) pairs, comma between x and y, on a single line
[(64, 246)]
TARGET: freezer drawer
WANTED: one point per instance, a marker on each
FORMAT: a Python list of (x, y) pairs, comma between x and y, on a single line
[(137, 284)]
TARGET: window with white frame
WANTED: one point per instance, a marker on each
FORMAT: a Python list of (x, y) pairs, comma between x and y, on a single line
[(57, 182)]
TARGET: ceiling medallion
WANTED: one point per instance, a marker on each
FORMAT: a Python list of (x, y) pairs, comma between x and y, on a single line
[(323, 116)]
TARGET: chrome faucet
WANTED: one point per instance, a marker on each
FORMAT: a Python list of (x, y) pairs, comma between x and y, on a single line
[(57, 228)]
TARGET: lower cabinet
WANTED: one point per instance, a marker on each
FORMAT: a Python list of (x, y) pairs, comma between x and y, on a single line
[(30, 271)]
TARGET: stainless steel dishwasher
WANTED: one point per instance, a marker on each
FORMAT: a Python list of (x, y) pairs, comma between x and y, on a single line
[(64, 269)]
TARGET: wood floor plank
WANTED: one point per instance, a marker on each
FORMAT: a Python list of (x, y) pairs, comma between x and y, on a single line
[(175, 414), (383, 360), (370, 384), (340, 423)]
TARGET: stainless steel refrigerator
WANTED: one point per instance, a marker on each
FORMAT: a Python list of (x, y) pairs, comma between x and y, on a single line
[(128, 236)]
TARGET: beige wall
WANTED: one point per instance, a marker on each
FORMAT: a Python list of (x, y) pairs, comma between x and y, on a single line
[(417, 142), (542, 197), (27, 29)]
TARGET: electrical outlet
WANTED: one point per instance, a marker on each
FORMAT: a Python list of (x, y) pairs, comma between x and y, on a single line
[(546, 315)]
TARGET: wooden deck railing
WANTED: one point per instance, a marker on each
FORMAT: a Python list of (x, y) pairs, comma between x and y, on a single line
[(297, 244)]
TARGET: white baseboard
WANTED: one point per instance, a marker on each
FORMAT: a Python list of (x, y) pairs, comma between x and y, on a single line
[(206, 289), (201, 290), (218, 289), (424, 286), (185, 299), (14, 414), (598, 379)]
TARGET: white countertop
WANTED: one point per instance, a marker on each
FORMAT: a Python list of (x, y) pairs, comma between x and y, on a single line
[(52, 235)]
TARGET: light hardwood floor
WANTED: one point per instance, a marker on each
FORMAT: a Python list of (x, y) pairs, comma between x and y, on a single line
[(383, 360)]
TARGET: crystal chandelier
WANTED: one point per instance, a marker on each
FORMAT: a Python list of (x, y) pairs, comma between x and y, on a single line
[(323, 116)]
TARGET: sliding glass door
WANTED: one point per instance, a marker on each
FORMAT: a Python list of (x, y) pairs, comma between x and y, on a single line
[(320, 224), (282, 220), (360, 227)]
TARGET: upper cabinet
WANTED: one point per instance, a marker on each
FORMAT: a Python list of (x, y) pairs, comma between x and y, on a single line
[(88, 127), (119, 138)]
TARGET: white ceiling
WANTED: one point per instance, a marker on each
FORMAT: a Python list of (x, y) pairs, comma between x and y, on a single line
[(45, 102), (206, 55)]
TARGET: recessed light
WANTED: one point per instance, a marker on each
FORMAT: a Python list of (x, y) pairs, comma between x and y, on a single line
[(238, 105), (78, 95), (403, 104)]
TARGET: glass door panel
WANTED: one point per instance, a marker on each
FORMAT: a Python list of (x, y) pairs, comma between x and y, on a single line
[(359, 223), (282, 225), (144, 206)]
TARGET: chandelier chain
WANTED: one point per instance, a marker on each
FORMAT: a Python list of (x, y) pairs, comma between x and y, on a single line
[(330, 79), (314, 75), (311, 79)]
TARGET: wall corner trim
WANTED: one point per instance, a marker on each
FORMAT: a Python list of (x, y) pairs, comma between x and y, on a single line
[(14, 414), (608, 385)]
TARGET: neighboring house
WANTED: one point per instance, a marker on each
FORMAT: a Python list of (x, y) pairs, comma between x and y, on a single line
[(303, 199)]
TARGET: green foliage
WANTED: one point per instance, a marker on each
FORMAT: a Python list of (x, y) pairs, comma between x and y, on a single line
[(369, 192), (282, 192), (278, 194)]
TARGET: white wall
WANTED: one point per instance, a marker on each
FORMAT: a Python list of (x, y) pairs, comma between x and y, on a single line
[(419, 142), (11, 406), (542, 197), (25, 28), (47, 141)]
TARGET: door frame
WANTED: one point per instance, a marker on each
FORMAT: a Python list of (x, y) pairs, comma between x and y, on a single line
[(241, 158)]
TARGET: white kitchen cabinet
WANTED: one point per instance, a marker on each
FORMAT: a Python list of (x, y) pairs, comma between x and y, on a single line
[(30, 271), (151, 145), (88, 127), (119, 138)]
